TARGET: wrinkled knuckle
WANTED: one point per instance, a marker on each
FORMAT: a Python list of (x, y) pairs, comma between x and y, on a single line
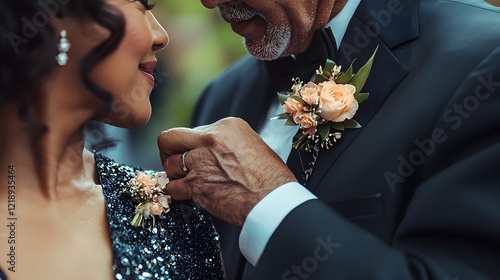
[(194, 182), (208, 154), (210, 139), (239, 122), (227, 120), (190, 180), (210, 190)]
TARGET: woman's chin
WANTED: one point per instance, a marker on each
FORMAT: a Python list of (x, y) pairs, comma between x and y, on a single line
[(128, 122)]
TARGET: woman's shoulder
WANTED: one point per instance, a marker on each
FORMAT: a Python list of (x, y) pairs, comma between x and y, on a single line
[(179, 242)]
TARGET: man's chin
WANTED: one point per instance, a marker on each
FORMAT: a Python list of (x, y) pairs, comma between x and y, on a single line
[(263, 53)]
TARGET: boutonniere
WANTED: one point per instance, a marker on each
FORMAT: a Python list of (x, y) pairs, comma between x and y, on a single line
[(325, 108), (147, 191)]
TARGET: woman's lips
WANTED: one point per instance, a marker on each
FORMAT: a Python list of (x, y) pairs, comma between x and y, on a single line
[(149, 76), (147, 69)]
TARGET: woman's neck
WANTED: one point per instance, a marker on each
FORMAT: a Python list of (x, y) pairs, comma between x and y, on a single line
[(53, 164)]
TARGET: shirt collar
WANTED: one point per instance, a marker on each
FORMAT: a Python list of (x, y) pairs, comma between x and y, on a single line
[(340, 22)]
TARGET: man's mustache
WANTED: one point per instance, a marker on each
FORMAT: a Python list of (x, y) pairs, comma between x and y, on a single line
[(237, 11)]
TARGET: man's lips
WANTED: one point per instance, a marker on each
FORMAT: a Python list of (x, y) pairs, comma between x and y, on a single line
[(242, 26), (147, 69)]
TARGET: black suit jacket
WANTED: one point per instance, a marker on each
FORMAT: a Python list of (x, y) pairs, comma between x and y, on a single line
[(415, 193)]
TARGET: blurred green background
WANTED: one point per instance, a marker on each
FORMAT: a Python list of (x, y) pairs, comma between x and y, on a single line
[(200, 46)]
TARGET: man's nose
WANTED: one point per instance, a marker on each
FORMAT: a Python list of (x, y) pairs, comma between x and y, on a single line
[(210, 4)]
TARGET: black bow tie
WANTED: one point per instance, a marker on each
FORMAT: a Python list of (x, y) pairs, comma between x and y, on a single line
[(305, 64)]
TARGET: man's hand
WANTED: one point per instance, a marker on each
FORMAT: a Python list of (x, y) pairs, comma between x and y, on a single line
[(230, 168)]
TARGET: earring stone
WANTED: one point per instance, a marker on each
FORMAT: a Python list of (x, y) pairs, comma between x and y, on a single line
[(63, 46)]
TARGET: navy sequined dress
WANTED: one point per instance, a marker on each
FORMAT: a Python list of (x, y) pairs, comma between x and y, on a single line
[(185, 248)]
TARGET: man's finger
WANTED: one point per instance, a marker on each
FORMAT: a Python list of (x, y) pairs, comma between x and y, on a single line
[(174, 141), (176, 165), (178, 140), (179, 189)]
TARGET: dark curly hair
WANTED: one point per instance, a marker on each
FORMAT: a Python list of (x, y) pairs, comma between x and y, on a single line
[(28, 45)]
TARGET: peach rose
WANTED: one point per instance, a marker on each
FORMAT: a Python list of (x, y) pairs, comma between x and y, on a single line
[(337, 101), (296, 87), (304, 119), (310, 131), (156, 209), (143, 179), (148, 189), (310, 93), (292, 106)]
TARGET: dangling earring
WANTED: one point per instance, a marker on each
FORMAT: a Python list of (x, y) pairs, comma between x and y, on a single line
[(63, 47)]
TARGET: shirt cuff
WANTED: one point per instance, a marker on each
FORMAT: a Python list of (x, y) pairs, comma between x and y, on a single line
[(266, 216)]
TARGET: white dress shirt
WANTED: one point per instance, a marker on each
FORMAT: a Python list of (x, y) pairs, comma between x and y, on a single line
[(267, 215)]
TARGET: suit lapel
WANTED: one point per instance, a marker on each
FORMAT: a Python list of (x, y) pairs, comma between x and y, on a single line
[(387, 71), (250, 100)]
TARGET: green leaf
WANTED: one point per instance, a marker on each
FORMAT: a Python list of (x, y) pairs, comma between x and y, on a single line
[(322, 78), (361, 97), (290, 122), (327, 72), (337, 126), (345, 77), (282, 97), (323, 130), (319, 79), (282, 116), (329, 65), (351, 124), (360, 78), (298, 98)]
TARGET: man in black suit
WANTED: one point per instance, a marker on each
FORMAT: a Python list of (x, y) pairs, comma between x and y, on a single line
[(413, 194)]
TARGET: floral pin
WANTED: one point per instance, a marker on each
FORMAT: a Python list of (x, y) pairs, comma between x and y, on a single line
[(147, 191), (325, 108)]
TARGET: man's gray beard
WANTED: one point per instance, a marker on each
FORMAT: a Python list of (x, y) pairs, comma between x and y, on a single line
[(269, 47)]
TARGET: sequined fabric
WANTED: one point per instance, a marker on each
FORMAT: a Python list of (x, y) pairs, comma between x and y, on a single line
[(182, 244)]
